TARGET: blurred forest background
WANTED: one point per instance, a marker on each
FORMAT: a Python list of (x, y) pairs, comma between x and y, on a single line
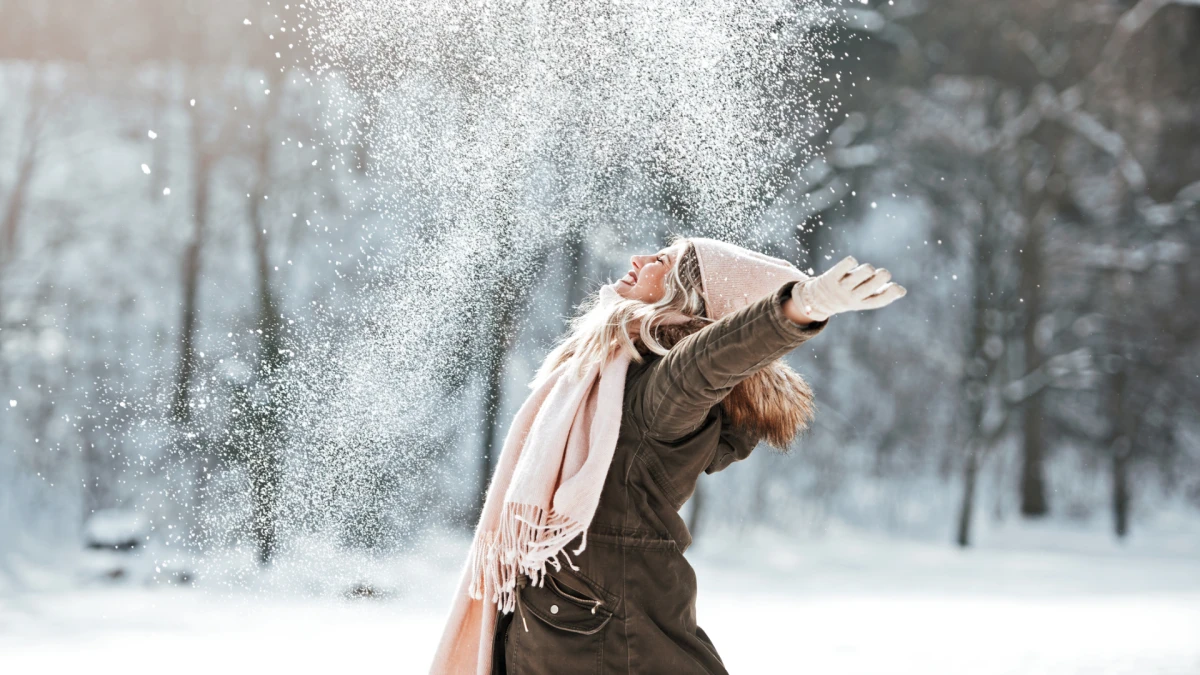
[(172, 239)]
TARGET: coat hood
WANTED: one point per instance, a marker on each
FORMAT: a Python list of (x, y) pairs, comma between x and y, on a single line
[(774, 404)]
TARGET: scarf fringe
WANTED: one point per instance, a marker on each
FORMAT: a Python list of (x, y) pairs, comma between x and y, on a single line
[(525, 541)]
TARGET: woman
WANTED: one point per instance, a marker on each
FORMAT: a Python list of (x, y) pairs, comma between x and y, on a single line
[(577, 564)]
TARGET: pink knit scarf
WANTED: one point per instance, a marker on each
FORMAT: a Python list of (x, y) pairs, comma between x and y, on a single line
[(543, 494)]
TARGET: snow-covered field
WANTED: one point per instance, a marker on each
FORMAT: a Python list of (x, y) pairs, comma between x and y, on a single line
[(1025, 602)]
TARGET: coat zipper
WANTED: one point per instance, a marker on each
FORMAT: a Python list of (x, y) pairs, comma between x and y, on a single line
[(520, 608)]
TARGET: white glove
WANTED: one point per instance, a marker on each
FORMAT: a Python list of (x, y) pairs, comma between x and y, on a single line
[(845, 288)]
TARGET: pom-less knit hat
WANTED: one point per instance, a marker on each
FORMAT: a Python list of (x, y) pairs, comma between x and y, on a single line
[(732, 277)]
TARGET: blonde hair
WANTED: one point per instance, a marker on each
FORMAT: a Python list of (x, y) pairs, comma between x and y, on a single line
[(600, 331)]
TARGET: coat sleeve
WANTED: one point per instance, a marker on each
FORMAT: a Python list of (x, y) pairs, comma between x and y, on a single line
[(683, 385)]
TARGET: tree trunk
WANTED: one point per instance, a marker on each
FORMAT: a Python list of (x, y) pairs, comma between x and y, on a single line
[(1121, 446), (978, 393), (264, 493), (26, 164), (1033, 446), (15, 208), (1120, 487), (1033, 481), (192, 261), (967, 507), (264, 458), (263, 461), (16, 202)]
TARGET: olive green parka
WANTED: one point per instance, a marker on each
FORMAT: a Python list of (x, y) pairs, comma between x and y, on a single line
[(631, 605)]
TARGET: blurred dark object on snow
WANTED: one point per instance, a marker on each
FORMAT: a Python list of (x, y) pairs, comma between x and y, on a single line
[(116, 529)]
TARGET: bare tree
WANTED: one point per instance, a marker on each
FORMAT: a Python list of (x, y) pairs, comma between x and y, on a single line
[(263, 459), (1043, 120), (204, 157)]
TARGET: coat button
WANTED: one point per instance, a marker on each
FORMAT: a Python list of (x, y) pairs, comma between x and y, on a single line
[(554, 609)]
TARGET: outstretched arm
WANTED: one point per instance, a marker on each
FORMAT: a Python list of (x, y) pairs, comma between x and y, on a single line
[(705, 366)]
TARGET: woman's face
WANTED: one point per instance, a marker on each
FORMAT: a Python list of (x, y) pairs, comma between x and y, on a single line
[(646, 280)]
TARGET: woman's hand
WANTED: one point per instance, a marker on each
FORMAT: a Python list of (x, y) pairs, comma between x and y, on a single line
[(846, 287)]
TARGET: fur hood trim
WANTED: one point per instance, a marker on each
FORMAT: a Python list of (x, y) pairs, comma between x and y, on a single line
[(775, 404)]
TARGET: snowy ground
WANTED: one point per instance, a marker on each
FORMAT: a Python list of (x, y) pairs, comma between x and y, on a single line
[(1026, 602)]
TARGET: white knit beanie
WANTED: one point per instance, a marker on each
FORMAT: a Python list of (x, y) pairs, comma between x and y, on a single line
[(732, 277)]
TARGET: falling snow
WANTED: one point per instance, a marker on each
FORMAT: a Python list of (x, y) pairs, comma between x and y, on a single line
[(441, 163), (498, 133)]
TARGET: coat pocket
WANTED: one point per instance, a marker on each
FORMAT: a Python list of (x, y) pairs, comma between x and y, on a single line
[(565, 609), (557, 630)]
